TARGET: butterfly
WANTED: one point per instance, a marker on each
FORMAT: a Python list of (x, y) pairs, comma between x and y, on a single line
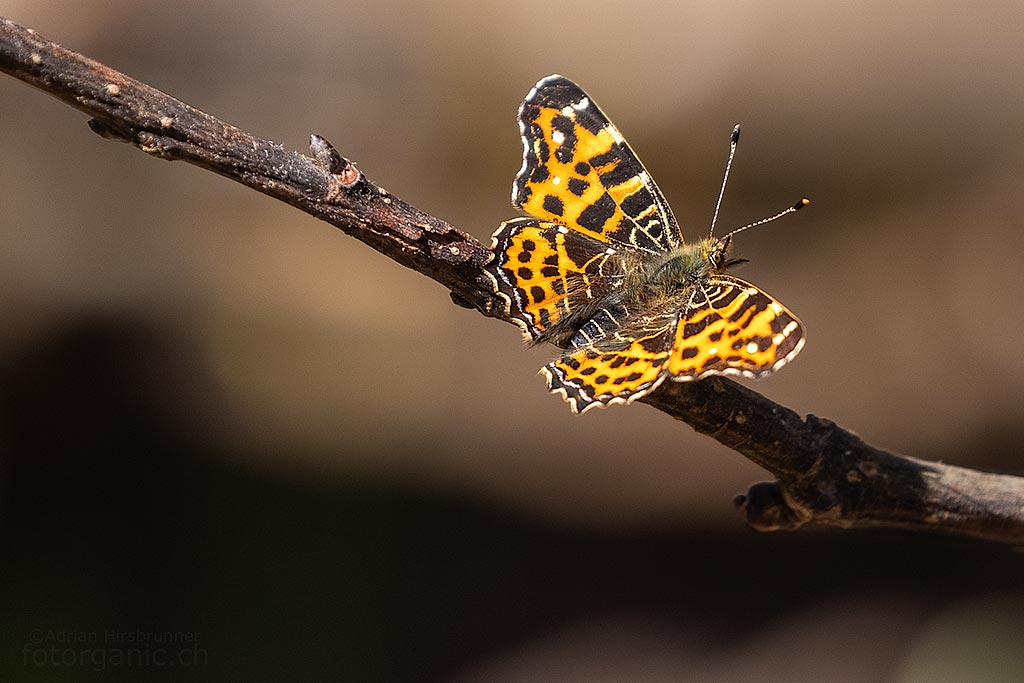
[(600, 268)]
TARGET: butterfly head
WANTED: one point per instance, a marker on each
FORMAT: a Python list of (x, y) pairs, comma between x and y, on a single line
[(715, 251)]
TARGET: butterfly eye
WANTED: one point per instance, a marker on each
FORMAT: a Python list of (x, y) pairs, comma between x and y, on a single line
[(715, 258)]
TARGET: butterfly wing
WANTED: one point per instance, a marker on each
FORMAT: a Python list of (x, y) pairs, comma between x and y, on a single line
[(723, 326), (549, 275), (579, 172), (731, 327), (616, 357)]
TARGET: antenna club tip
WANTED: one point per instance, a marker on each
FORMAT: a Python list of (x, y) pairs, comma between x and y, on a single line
[(804, 201), (736, 133)]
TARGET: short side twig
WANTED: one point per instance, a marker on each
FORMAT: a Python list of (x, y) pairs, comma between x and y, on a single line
[(825, 474)]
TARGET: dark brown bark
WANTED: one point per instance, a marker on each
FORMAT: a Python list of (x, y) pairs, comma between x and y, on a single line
[(824, 473)]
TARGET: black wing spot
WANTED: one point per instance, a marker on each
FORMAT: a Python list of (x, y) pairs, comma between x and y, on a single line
[(577, 186), (597, 214), (539, 174), (590, 124), (567, 147), (690, 329), (619, 173), (726, 299), (609, 156), (756, 302), (553, 205), (638, 202), (653, 344)]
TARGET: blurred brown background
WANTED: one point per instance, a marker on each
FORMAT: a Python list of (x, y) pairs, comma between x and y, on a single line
[(222, 417)]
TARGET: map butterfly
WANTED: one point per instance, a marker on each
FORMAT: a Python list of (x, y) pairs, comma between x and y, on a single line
[(600, 268)]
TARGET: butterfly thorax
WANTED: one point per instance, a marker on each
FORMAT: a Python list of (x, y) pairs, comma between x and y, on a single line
[(688, 264)]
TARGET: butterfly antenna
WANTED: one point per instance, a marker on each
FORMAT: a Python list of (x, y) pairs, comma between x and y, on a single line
[(804, 201), (734, 140)]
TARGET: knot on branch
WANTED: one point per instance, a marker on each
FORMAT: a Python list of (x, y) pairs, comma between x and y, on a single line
[(766, 508), (108, 131), (838, 470)]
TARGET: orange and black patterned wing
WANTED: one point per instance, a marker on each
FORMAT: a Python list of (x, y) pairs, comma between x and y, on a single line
[(721, 326), (579, 172), (731, 327), (616, 357), (550, 276)]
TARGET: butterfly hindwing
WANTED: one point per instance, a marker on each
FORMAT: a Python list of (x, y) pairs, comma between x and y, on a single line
[(616, 358), (578, 171), (547, 273)]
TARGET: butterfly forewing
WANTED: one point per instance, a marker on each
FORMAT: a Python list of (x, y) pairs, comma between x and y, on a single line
[(732, 327), (578, 171)]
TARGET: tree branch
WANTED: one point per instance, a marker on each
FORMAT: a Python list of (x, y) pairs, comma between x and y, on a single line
[(825, 474)]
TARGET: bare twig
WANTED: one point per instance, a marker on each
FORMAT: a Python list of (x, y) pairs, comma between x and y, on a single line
[(825, 474)]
